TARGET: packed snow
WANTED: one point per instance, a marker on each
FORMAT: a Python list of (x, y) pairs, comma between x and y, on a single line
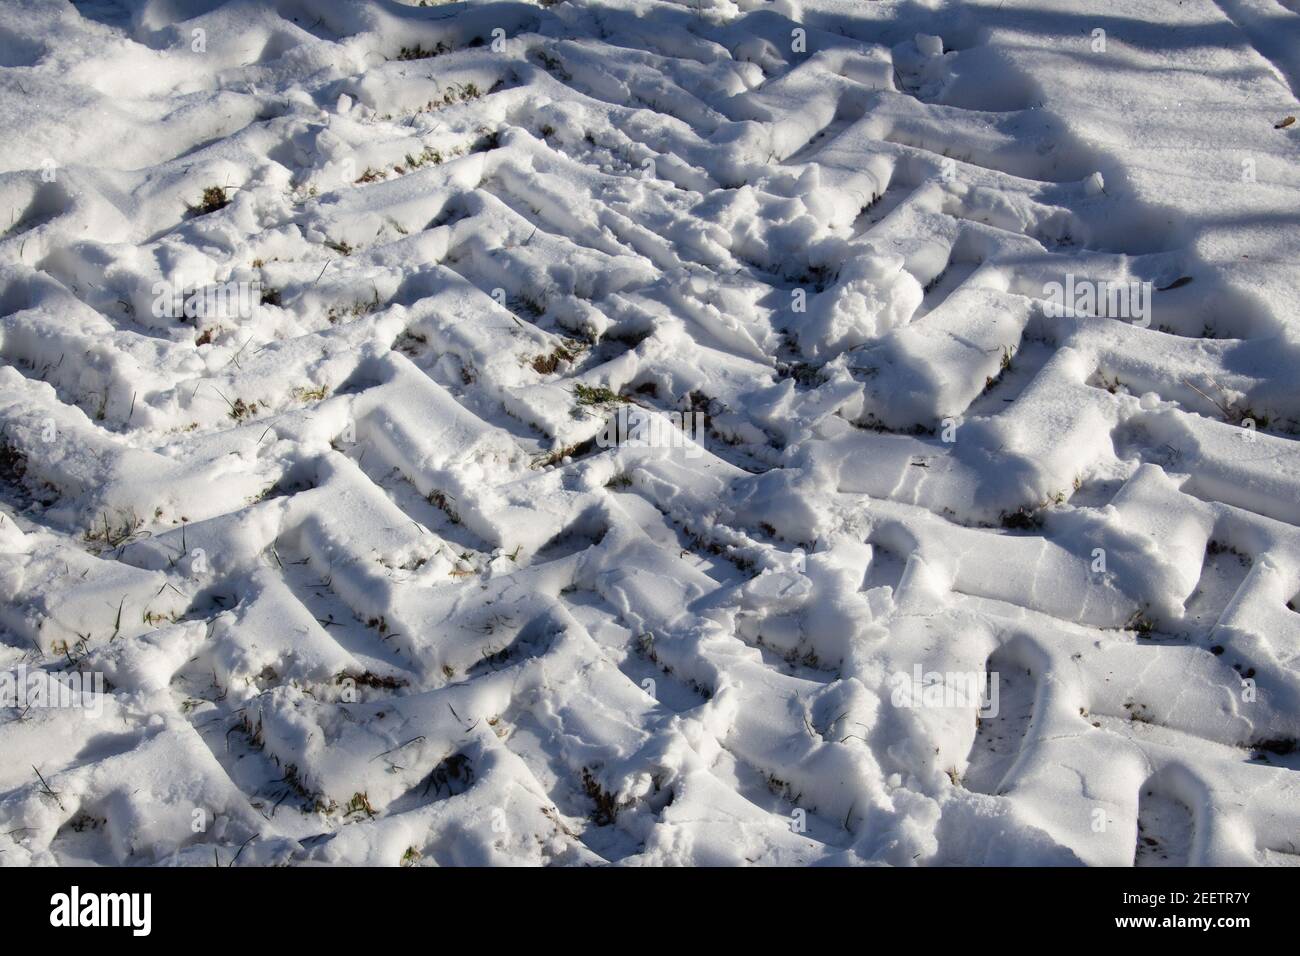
[(713, 432)]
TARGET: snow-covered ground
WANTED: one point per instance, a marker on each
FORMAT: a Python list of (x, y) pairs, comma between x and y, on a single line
[(959, 346)]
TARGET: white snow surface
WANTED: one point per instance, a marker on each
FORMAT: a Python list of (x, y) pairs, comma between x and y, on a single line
[(365, 588)]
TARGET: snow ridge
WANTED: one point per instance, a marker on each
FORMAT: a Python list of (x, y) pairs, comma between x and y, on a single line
[(316, 321)]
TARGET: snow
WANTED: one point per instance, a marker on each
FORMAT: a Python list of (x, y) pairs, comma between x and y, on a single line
[(368, 582)]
